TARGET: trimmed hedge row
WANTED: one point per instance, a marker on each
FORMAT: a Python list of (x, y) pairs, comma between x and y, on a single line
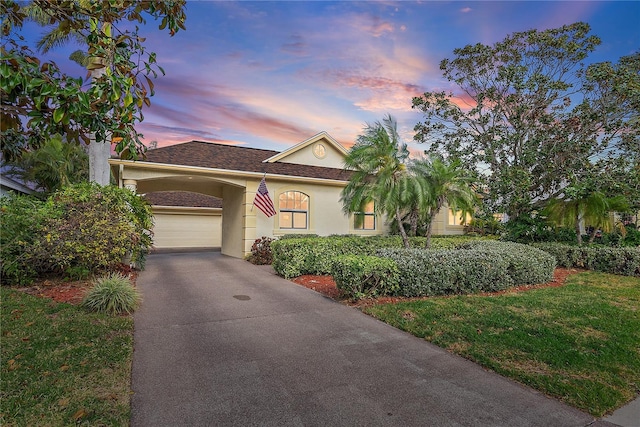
[(481, 267), (365, 276), (294, 257), (622, 261)]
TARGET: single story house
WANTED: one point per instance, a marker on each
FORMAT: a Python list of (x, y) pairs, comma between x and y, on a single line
[(202, 194)]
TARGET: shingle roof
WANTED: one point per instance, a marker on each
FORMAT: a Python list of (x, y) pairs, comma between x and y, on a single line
[(183, 198), (220, 156)]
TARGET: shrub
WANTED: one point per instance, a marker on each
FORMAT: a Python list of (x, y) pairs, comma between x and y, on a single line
[(20, 221), (79, 229), (261, 251), (623, 261), (295, 257), (365, 276), (526, 265), (113, 294), (441, 272)]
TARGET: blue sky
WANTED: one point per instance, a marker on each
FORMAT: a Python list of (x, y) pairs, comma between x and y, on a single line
[(272, 74)]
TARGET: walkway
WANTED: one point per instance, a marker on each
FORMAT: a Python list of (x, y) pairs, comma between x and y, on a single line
[(221, 342)]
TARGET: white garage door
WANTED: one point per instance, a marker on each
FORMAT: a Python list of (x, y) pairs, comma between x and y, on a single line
[(176, 228)]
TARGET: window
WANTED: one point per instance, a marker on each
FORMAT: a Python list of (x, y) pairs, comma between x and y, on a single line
[(456, 218), (294, 210), (365, 220)]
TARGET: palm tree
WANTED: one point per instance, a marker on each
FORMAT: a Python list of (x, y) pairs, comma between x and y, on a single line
[(588, 208), (446, 183), (378, 162), (52, 166)]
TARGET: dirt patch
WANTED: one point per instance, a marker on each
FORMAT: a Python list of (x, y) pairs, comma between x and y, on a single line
[(327, 286)]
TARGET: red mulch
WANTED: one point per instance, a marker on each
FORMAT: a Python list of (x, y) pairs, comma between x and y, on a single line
[(326, 286), (71, 292)]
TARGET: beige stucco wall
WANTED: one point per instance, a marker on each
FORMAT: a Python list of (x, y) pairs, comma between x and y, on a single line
[(176, 227), (325, 215)]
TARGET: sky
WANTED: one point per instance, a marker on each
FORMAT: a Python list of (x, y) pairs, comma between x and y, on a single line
[(272, 74)]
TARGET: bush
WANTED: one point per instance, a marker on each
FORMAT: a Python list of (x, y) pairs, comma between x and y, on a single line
[(476, 267), (82, 228), (261, 251), (442, 272), (113, 294), (365, 276), (21, 219), (525, 266), (622, 261), (295, 257)]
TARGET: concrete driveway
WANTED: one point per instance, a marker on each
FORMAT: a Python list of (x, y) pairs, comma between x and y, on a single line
[(221, 342)]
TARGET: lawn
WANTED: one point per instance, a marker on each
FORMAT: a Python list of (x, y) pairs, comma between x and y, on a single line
[(579, 343), (61, 365)]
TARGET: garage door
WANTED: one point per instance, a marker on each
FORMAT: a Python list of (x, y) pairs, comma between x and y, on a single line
[(187, 228)]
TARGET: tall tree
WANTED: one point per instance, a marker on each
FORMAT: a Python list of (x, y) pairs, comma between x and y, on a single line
[(378, 162), (534, 118), (448, 184), (55, 103)]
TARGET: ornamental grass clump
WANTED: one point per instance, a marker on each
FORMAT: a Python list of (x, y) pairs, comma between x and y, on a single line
[(113, 294)]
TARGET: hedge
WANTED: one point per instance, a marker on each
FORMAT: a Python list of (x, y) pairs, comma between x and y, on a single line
[(482, 267), (365, 276), (294, 257), (622, 261)]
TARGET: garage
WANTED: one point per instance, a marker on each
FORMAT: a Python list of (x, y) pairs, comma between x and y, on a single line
[(186, 220)]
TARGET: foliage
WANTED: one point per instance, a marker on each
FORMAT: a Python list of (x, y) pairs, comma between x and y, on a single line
[(442, 272), (378, 165), (584, 204), (623, 261), (55, 103), (52, 166), (577, 342), (82, 227), (361, 276), (261, 251), (295, 257), (482, 266), (61, 365), (526, 267), (484, 225), (528, 228), (532, 119), (21, 219), (113, 294), (446, 183)]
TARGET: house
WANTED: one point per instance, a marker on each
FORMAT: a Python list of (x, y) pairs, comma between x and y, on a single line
[(202, 194)]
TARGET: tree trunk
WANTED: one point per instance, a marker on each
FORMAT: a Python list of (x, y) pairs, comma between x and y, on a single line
[(578, 233), (432, 216), (405, 239), (413, 221), (99, 151)]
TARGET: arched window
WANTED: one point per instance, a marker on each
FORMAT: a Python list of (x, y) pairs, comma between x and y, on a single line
[(294, 210)]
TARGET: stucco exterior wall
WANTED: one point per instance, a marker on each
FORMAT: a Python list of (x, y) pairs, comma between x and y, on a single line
[(325, 215)]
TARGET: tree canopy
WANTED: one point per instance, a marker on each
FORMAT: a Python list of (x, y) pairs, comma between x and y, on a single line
[(39, 101), (531, 119)]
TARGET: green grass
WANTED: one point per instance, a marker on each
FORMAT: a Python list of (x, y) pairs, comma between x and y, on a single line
[(61, 365), (579, 343)]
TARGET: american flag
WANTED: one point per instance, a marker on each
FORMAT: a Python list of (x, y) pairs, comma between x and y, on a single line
[(263, 201)]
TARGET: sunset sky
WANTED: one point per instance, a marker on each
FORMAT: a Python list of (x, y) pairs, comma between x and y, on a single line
[(272, 74)]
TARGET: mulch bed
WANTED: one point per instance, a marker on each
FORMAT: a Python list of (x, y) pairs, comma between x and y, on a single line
[(326, 286), (72, 292)]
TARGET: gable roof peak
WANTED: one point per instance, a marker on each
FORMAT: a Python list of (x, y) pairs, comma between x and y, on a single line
[(317, 137)]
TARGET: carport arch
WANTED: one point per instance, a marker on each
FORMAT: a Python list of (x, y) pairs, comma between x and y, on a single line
[(143, 177)]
